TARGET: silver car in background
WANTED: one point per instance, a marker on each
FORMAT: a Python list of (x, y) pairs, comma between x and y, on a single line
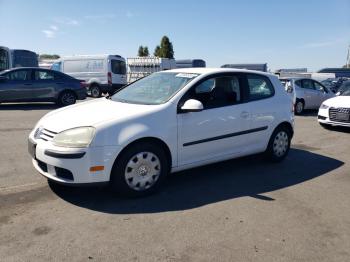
[(308, 93)]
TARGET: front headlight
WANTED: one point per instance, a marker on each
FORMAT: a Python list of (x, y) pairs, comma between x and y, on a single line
[(323, 106), (75, 137)]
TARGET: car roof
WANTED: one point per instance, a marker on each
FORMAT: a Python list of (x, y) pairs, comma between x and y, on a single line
[(208, 70)]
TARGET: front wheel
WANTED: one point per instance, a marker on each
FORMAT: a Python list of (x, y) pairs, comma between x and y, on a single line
[(140, 170), (279, 144)]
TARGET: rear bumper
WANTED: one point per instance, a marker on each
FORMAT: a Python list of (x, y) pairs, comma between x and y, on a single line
[(81, 93)]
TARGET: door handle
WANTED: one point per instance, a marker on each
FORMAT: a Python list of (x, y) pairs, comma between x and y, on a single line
[(244, 114), (28, 84), (59, 83)]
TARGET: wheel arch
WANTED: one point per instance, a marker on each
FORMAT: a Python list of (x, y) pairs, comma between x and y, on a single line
[(149, 139), (287, 125)]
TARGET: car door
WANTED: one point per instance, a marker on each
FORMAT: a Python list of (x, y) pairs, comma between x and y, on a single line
[(15, 87), (262, 106), (118, 69), (219, 129), (44, 85), (323, 93), (311, 96)]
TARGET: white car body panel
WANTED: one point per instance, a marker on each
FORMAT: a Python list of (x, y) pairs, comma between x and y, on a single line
[(119, 124)]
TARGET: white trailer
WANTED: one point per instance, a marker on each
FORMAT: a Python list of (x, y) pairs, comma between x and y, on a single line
[(139, 67)]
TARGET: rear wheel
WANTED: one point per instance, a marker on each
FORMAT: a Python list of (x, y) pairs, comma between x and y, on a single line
[(95, 91), (66, 98), (279, 144), (299, 107), (140, 170)]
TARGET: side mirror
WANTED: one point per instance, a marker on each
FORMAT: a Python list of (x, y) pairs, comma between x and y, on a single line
[(192, 105)]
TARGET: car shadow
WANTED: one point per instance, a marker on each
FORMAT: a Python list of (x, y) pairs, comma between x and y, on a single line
[(28, 106), (250, 176), (309, 113)]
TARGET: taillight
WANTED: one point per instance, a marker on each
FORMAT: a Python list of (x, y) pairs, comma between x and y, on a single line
[(109, 76), (83, 83)]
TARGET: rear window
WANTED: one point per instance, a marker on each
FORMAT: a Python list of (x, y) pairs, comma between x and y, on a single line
[(259, 87), (118, 67)]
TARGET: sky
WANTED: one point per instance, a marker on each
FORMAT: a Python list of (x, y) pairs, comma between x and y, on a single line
[(284, 34)]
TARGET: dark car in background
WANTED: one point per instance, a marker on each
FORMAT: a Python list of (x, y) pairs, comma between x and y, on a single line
[(32, 84), (345, 87)]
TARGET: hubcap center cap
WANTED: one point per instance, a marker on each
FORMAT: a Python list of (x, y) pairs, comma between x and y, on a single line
[(143, 170)]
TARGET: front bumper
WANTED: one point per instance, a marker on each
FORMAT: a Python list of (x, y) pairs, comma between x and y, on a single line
[(323, 118), (72, 165)]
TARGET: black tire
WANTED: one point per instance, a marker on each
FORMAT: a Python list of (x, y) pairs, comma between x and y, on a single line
[(299, 107), (66, 98), (274, 152), (95, 91), (119, 172)]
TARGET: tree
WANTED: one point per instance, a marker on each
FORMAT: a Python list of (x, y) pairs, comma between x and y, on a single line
[(157, 51), (145, 51), (166, 48), (140, 52), (47, 56)]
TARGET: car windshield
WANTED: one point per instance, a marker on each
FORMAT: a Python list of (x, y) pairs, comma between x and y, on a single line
[(154, 89), (346, 92)]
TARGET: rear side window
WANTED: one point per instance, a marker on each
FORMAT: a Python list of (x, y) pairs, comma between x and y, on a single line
[(118, 67), (19, 75), (260, 87), (44, 75)]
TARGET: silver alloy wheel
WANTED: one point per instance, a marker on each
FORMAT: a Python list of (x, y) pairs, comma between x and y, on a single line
[(142, 171), (68, 98), (299, 107), (280, 143)]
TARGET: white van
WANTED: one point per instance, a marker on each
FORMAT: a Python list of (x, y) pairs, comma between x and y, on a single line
[(102, 73)]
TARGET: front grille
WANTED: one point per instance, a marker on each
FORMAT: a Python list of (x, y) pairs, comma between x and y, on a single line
[(341, 114), (47, 135)]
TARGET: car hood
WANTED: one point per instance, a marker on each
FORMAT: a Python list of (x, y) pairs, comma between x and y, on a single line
[(93, 113), (338, 101)]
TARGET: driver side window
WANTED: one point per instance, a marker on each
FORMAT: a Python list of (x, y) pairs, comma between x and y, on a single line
[(217, 92), (320, 87)]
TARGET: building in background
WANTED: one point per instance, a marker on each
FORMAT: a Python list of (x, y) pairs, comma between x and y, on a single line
[(187, 63)]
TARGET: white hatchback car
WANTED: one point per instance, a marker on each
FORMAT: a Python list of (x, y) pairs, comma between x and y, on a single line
[(335, 111), (166, 122)]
